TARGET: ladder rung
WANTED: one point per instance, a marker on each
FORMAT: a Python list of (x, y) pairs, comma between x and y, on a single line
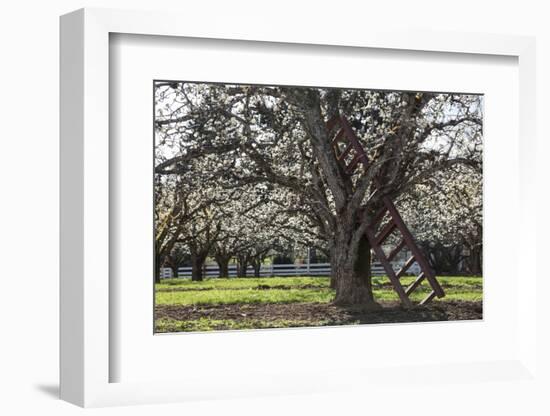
[(406, 266), (428, 298), (345, 152), (396, 250), (386, 231), (405, 301), (415, 284), (353, 163), (422, 262), (337, 138)]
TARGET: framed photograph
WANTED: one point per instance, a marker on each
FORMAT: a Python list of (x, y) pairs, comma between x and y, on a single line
[(285, 213), (255, 227)]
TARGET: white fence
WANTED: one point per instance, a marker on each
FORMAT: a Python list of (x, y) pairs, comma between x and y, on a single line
[(314, 269)]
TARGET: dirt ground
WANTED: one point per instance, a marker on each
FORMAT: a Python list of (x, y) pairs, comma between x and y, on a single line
[(316, 314)]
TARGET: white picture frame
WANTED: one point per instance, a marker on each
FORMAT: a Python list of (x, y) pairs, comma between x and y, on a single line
[(85, 266)]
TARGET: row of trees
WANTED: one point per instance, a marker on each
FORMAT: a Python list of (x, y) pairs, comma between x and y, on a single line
[(199, 218), (242, 170)]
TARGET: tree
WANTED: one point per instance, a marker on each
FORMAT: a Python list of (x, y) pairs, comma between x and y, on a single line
[(223, 253), (250, 230), (446, 214), (170, 216), (185, 214), (277, 136), (178, 256)]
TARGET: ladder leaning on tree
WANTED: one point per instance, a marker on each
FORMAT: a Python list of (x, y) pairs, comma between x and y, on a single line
[(350, 153)]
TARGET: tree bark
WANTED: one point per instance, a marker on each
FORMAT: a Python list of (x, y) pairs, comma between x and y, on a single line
[(157, 267), (197, 264), (157, 274), (475, 261), (333, 274), (352, 273)]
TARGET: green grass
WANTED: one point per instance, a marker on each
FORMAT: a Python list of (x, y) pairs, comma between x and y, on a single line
[(247, 295), (295, 290), (280, 290)]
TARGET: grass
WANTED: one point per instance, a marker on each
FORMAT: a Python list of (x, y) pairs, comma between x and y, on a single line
[(246, 295), (221, 304), (295, 290)]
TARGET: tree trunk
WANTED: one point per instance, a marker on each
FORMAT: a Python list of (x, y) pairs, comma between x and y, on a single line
[(475, 261), (157, 268), (242, 265), (443, 259), (257, 264), (333, 274), (197, 264), (223, 266), (351, 270), (174, 270)]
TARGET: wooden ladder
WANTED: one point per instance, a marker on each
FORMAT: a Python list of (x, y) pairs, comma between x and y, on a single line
[(350, 153)]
